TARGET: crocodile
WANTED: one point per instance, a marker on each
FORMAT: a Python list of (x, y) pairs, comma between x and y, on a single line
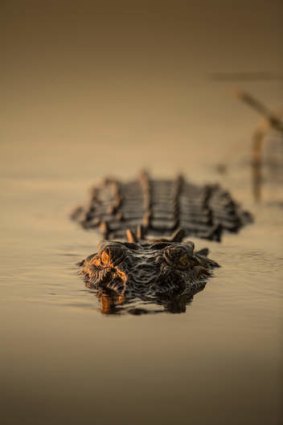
[(144, 255), (167, 272)]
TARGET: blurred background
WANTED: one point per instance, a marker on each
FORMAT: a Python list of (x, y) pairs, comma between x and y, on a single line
[(85, 84), (92, 88)]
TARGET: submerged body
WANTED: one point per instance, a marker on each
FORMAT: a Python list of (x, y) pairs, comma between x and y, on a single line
[(161, 207), (162, 271)]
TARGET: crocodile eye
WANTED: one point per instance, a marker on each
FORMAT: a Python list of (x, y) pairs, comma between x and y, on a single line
[(184, 260), (177, 256), (112, 255), (105, 257)]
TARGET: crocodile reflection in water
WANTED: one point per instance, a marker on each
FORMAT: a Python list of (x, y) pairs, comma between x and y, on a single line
[(163, 272), (110, 304)]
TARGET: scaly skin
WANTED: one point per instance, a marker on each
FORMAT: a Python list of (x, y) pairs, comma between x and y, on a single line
[(167, 272), (161, 207), (164, 272)]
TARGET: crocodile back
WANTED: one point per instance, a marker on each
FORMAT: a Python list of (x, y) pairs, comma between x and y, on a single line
[(160, 207)]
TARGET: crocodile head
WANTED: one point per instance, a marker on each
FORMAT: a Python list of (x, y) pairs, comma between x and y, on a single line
[(156, 270)]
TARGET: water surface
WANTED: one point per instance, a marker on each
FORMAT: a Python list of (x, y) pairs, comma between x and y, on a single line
[(97, 88), (62, 361)]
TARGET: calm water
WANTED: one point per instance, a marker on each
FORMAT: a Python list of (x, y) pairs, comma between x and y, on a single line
[(62, 361), (91, 88)]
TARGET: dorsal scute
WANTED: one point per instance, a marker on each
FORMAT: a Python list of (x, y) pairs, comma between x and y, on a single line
[(159, 207)]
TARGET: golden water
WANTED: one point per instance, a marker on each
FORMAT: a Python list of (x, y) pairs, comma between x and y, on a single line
[(96, 89), (64, 362)]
